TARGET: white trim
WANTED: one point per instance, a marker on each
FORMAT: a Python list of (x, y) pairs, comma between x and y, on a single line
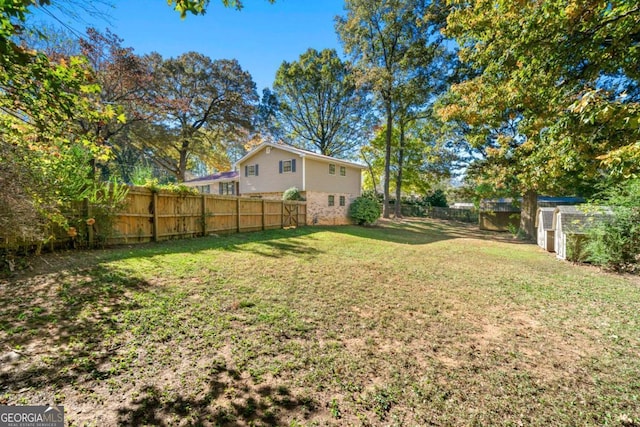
[(304, 173)]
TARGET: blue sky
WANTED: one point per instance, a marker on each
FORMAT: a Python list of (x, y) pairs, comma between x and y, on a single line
[(260, 36)]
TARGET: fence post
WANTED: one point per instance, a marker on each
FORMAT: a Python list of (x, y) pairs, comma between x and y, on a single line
[(238, 216), (264, 214), (204, 215), (154, 207), (282, 215)]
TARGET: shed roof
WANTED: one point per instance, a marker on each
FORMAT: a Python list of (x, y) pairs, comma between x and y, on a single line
[(579, 219), (546, 214)]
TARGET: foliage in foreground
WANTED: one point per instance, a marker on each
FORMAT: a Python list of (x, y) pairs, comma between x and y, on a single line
[(365, 210), (616, 243)]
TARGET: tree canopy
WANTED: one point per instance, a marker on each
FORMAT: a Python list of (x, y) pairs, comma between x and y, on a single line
[(553, 98), (198, 105), (320, 106)]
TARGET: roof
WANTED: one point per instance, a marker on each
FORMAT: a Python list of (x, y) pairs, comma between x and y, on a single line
[(579, 219), (547, 218), (513, 205), (217, 177), (544, 201), (300, 152)]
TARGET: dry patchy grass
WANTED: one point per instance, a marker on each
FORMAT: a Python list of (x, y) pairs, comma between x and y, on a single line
[(410, 323)]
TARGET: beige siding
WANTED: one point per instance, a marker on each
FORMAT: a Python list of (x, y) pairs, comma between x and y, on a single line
[(269, 179), (319, 179), (320, 213)]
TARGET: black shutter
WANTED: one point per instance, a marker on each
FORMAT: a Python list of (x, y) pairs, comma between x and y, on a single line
[(280, 166), (293, 165), (256, 170), (220, 188), (246, 170)]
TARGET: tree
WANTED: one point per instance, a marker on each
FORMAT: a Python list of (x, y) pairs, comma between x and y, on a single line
[(418, 87), (320, 106), (553, 93), (382, 36), (43, 153), (198, 104), (124, 80), (425, 159)]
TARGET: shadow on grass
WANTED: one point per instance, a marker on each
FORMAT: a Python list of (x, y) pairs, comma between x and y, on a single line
[(273, 243), (69, 336), (65, 318), (422, 231), (244, 404)]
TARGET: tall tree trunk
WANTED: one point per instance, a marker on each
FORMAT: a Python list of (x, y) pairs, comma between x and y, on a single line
[(182, 165), (373, 175), (528, 211), (386, 211), (398, 205)]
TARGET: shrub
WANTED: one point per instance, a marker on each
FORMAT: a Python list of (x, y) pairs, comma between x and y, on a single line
[(436, 199), (293, 194), (365, 210), (615, 244)]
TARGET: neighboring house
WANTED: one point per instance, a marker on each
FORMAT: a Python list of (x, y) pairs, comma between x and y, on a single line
[(544, 224), (328, 184), (225, 183), (571, 225)]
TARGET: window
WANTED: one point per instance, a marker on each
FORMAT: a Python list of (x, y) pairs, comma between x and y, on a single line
[(227, 188), (332, 169), (332, 200), (343, 200), (343, 171), (287, 166), (251, 170)]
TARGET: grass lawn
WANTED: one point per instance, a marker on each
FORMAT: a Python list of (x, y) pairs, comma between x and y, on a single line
[(409, 323)]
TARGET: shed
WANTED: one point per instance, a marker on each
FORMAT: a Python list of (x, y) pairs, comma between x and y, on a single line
[(571, 225), (499, 215), (544, 225)]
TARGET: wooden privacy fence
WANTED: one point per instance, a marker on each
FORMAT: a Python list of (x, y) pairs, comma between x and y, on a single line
[(154, 216)]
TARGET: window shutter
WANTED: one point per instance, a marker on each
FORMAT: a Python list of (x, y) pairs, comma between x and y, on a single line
[(246, 170), (280, 166), (256, 170), (293, 165), (220, 189)]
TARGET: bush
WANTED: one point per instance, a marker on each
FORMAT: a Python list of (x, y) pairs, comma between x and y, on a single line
[(615, 244), (365, 210), (293, 194)]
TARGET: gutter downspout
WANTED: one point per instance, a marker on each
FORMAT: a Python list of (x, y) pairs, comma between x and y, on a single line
[(304, 172)]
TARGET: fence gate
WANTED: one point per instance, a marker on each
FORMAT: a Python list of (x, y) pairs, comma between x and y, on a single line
[(290, 216)]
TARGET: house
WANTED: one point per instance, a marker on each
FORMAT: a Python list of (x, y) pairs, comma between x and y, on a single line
[(544, 225), (571, 225), (328, 184), (225, 183)]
